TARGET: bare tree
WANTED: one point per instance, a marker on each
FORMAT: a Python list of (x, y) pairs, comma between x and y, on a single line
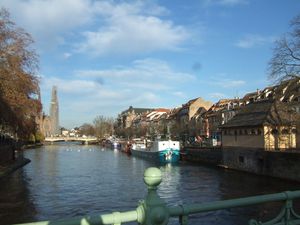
[(19, 86), (285, 63), (284, 66), (103, 126), (87, 129)]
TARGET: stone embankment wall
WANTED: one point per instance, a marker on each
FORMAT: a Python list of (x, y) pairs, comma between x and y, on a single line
[(284, 165), (6, 153), (278, 164), (211, 156)]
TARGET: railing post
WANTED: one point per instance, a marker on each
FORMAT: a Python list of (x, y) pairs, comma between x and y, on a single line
[(155, 209)]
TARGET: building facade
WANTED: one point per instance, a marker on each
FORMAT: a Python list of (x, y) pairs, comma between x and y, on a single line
[(265, 125)]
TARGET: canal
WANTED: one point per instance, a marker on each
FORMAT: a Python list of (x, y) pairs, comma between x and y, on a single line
[(67, 180)]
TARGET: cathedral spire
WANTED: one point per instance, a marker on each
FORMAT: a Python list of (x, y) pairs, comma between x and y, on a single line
[(54, 112)]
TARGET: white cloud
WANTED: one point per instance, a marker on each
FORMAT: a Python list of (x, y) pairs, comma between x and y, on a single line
[(217, 95), (222, 81), (72, 87), (67, 55), (146, 73), (232, 2), (225, 2), (49, 20), (130, 29), (145, 83), (254, 40), (82, 96), (179, 94), (98, 27), (227, 83)]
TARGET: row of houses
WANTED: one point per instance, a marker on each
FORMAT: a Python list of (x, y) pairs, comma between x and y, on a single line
[(265, 119)]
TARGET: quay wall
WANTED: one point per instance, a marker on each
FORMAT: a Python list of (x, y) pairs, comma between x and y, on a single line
[(211, 156), (298, 137), (278, 164), (6, 153), (284, 165)]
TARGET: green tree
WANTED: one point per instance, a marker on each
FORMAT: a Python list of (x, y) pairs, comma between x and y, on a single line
[(19, 86), (285, 63)]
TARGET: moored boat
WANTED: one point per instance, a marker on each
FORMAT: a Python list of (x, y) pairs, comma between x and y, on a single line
[(163, 151), (116, 145), (126, 147)]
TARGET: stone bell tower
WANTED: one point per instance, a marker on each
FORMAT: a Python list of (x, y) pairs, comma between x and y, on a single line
[(54, 112)]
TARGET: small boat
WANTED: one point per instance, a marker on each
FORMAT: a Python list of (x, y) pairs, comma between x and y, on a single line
[(162, 151), (116, 145), (126, 148)]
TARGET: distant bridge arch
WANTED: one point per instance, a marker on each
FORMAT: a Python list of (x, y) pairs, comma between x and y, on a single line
[(84, 140)]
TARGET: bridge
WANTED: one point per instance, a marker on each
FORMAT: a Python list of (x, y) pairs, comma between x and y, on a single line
[(83, 140)]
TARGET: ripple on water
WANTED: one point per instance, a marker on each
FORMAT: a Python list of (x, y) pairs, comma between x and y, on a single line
[(73, 180)]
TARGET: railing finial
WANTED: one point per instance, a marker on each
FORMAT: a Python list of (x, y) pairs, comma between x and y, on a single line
[(154, 208), (152, 177)]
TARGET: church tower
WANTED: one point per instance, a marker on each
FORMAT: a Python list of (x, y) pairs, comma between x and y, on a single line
[(54, 112)]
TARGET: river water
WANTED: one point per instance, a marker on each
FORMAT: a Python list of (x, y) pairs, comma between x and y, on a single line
[(67, 180)]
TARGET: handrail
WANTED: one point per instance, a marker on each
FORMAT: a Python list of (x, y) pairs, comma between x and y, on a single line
[(154, 211), (232, 203), (112, 218)]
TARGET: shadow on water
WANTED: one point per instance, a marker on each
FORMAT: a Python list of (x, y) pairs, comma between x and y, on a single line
[(213, 184), (16, 205)]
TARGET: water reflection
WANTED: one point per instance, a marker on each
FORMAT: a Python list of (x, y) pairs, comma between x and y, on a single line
[(16, 204), (169, 188), (69, 180)]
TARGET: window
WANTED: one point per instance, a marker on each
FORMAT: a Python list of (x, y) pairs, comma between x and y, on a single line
[(274, 131), (241, 159), (294, 131), (284, 131), (259, 132)]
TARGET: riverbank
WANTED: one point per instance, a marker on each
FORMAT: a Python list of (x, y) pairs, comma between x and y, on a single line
[(13, 166), (12, 159), (28, 146), (279, 164)]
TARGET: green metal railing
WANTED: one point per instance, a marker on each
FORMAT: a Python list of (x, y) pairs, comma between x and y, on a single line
[(154, 211)]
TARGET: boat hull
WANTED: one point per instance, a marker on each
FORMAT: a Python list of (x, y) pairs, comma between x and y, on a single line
[(164, 156)]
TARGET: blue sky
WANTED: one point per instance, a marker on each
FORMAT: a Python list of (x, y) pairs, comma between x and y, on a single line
[(105, 56)]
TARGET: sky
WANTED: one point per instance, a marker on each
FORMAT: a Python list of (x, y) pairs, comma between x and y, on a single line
[(107, 55)]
